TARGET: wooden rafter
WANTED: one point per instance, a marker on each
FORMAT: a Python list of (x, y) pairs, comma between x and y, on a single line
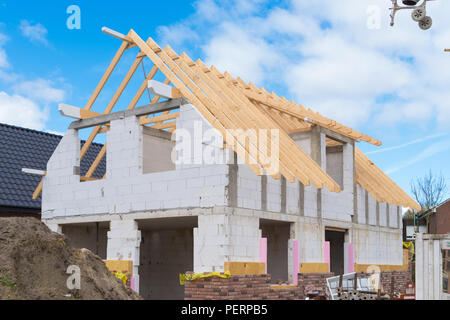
[(291, 108), (98, 129), (202, 103), (376, 182), (230, 103)]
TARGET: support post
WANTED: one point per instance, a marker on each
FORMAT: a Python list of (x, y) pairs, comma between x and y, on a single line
[(293, 261), (326, 254), (124, 241), (349, 259), (263, 251)]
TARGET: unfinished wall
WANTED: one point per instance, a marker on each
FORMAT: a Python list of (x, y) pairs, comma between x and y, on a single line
[(393, 216), (126, 188), (274, 194), (157, 150), (377, 245), (371, 210), (361, 205), (249, 188), (90, 236), (295, 198), (164, 254), (221, 238), (310, 236)]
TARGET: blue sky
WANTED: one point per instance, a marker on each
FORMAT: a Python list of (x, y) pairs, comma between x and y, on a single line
[(339, 58)]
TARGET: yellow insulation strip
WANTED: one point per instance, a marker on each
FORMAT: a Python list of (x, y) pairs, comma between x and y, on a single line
[(194, 276), (121, 276)]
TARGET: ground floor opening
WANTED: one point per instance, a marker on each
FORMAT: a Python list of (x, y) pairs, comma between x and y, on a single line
[(166, 250), (277, 234), (336, 239), (92, 236)]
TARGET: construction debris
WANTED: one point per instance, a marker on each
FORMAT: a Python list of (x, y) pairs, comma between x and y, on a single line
[(34, 263)]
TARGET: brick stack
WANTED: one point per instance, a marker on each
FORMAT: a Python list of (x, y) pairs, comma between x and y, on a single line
[(315, 281), (251, 287), (279, 293), (240, 287), (400, 278)]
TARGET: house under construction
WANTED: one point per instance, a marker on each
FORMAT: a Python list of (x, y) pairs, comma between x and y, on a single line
[(217, 171)]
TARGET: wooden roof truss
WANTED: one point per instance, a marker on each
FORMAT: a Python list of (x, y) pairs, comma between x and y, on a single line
[(230, 104)]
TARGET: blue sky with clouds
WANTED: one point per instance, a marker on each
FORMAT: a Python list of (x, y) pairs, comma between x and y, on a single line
[(390, 83)]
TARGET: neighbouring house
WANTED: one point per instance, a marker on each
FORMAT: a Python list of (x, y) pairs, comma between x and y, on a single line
[(215, 175), (435, 220), (439, 221), (26, 148)]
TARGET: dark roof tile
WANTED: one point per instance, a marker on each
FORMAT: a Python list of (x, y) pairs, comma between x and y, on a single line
[(27, 148)]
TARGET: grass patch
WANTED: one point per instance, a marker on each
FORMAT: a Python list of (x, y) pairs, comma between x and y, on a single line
[(6, 282)]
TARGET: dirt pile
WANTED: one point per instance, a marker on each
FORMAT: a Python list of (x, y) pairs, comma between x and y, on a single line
[(34, 261)]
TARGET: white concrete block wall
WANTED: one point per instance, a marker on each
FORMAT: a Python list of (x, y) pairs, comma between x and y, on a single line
[(383, 215), (292, 198), (372, 206), (361, 204), (273, 194), (310, 202), (339, 206), (126, 188), (125, 148), (303, 140), (61, 171), (393, 210), (248, 188), (124, 240), (221, 238), (204, 143), (309, 234), (377, 246)]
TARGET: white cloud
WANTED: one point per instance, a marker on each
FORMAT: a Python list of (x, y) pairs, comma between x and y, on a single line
[(347, 72), (59, 133), (29, 104), (3, 57), (36, 33), (40, 90), (176, 35), (234, 51), (20, 111)]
